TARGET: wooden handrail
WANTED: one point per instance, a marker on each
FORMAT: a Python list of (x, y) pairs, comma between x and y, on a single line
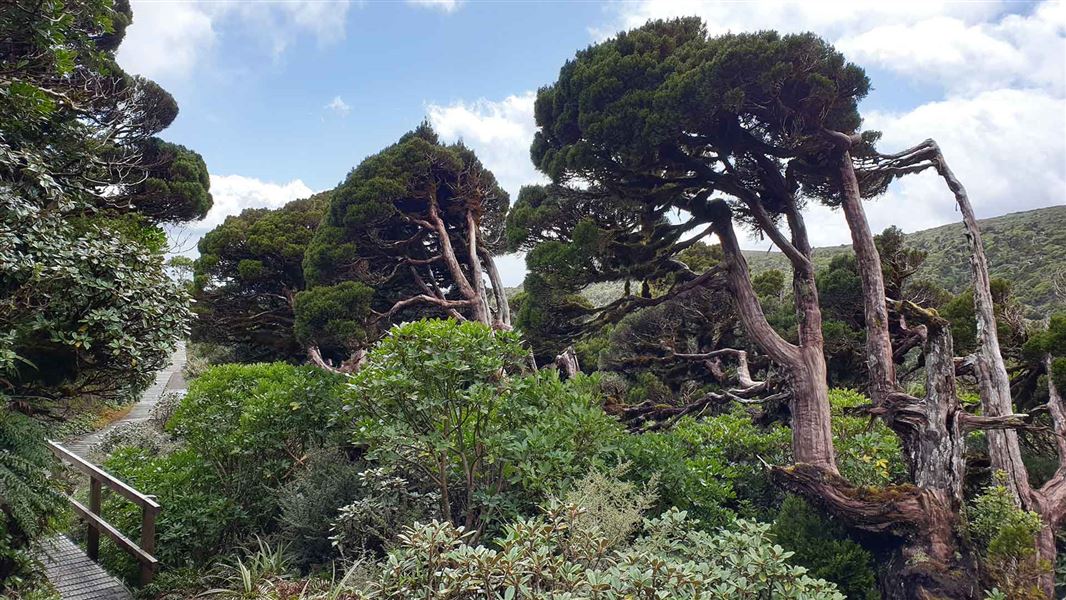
[(96, 524), (102, 476)]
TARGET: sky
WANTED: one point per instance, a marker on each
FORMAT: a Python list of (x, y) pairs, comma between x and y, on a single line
[(283, 98)]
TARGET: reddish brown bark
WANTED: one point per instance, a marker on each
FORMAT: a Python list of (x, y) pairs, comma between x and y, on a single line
[(804, 364), (879, 363), (994, 383), (920, 522), (467, 271)]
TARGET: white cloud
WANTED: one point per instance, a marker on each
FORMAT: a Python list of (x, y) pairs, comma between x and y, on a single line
[(166, 40), (829, 19), (964, 46), (171, 39), (499, 131), (1006, 146), (447, 6), (1016, 51), (232, 194), (338, 106)]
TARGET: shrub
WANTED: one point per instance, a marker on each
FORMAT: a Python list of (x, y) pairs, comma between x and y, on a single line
[(310, 502), (164, 409), (552, 434), (1005, 534), (552, 557), (196, 520), (612, 508), (254, 424), (446, 406), (711, 467), (142, 435), (243, 431), (30, 502), (387, 503), (867, 453), (823, 546)]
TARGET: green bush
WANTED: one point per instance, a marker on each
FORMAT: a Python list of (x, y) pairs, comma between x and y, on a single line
[(553, 434), (1005, 535), (30, 502), (447, 407), (711, 467), (388, 501), (552, 556), (823, 546), (196, 520), (254, 424), (243, 432), (310, 502), (868, 453)]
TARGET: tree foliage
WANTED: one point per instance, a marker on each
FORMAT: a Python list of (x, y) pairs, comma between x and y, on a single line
[(86, 308), (417, 223), (86, 305), (248, 275)]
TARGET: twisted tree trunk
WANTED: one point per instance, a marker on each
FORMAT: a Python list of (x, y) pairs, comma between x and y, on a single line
[(994, 384), (879, 363), (812, 438)]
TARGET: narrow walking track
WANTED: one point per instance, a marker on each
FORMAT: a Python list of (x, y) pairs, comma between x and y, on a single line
[(66, 565), (167, 379)]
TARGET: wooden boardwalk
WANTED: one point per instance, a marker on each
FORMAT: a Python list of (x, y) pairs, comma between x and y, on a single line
[(76, 577), (168, 379), (66, 565)]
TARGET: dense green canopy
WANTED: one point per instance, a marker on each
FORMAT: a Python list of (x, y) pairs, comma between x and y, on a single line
[(247, 277), (418, 223), (85, 303)]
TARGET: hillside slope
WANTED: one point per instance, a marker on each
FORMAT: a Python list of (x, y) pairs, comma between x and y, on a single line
[(1026, 248)]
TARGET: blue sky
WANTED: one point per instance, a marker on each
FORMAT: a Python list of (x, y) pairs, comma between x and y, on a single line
[(283, 98)]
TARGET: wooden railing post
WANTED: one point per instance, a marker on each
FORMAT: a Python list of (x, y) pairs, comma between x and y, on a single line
[(92, 538), (148, 515), (97, 525)]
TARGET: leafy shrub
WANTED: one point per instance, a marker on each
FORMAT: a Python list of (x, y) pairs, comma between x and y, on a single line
[(711, 467), (552, 434), (444, 405), (310, 502), (142, 435), (164, 409), (387, 502), (30, 502), (612, 508), (196, 520), (434, 390), (823, 546), (1005, 534), (552, 557), (253, 424), (867, 453), (243, 432), (104, 317)]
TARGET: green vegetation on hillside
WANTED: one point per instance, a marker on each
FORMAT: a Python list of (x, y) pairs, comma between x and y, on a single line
[(1026, 248)]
